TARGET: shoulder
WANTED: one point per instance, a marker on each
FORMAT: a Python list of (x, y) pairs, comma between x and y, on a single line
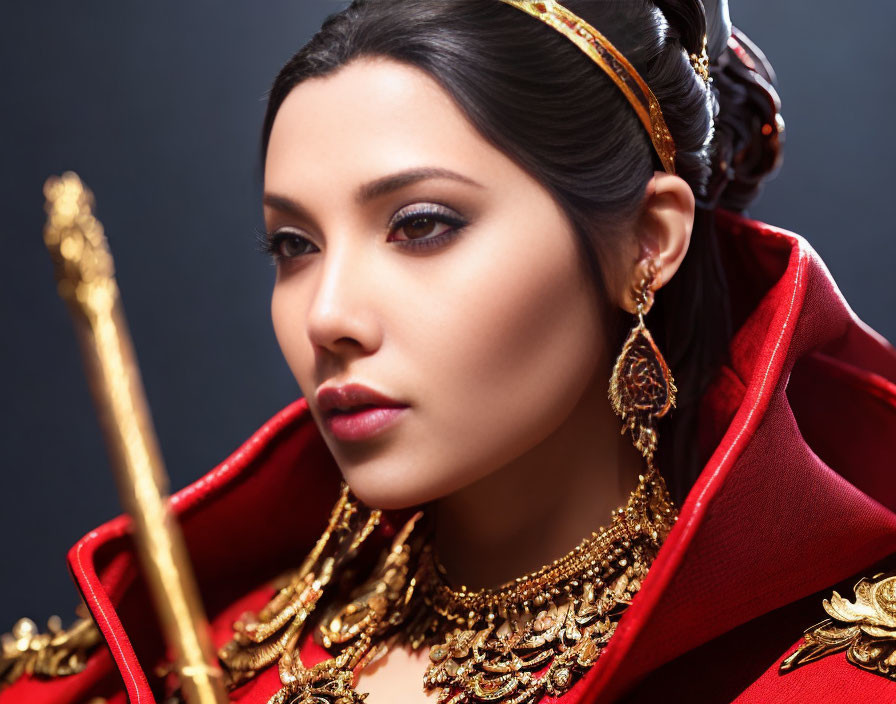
[(837, 646), (796, 500), (834, 658)]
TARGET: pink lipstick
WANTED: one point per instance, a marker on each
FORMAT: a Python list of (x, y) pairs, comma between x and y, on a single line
[(354, 412)]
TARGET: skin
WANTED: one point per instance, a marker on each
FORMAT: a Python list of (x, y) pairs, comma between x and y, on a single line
[(493, 335)]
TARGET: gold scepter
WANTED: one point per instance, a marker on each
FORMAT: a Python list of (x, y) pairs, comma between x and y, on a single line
[(86, 281)]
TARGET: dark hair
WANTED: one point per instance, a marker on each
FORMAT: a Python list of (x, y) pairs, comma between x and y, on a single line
[(539, 99)]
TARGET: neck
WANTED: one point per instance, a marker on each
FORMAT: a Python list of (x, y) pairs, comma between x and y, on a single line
[(539, 507)]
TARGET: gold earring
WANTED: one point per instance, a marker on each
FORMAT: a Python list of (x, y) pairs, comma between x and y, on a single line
[(641, 387)]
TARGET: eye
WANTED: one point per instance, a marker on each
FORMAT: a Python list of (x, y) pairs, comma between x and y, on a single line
[(418, 227), (427, 225), (287, 244)]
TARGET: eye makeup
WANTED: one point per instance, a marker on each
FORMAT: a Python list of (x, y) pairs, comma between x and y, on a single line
[(285, 243), (425, 214), (288, 243)]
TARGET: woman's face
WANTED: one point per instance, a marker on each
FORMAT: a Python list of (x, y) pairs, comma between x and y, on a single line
[(430, 299)]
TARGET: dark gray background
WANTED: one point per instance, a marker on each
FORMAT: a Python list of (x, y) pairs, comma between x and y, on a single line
[(158, 107)]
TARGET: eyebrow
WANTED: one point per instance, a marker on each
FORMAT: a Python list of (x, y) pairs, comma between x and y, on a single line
[(394, 182), (377, 188)]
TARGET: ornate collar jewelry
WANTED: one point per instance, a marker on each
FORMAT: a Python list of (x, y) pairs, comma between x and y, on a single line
[(527, 639)]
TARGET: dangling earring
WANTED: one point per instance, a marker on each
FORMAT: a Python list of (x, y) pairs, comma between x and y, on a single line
[(641, 387)]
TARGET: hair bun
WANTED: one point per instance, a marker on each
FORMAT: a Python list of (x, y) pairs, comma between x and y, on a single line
[(688, 19), (749, 130), (749, 134)]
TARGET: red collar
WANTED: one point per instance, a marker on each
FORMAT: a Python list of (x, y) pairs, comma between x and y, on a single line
[(769, 520), (794, 498)]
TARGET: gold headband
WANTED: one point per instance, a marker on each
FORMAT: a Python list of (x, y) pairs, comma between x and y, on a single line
[(614, 64)]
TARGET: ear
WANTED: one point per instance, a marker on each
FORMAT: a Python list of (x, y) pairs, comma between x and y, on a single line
[(663, 233)]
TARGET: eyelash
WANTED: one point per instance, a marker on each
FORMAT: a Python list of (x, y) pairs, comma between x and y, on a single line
[(440, 214), (270, 242)]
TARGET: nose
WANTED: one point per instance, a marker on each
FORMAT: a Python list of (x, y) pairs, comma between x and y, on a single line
[(341, 317)]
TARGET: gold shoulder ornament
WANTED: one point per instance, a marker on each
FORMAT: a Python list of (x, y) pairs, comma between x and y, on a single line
[(865, 629), (57, 653)]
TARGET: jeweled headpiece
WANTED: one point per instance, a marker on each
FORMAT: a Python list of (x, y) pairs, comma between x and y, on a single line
[(614, 64)]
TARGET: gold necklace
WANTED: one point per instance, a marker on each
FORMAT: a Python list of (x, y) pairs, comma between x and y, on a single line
[(531, 637)]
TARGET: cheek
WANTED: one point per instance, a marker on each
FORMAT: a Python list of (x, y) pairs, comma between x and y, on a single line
[(287, 315), (532, 320), (520, 340)]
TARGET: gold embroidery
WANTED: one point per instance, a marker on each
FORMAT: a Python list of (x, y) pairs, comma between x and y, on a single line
[(866, 629), (54, 654)]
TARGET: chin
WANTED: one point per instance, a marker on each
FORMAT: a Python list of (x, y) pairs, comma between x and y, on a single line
[(391, 490), (384, 493)]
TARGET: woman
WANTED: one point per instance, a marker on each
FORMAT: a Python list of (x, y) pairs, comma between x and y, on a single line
[(483, 214)]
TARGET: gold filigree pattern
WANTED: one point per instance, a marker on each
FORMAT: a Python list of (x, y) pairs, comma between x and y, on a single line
[(537, 654), (865, 629), (641, 387), (536, 636), (261, 639), (57, 653), (511, 645)]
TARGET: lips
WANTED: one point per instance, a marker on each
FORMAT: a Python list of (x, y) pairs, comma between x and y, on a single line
[(355, 412)]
